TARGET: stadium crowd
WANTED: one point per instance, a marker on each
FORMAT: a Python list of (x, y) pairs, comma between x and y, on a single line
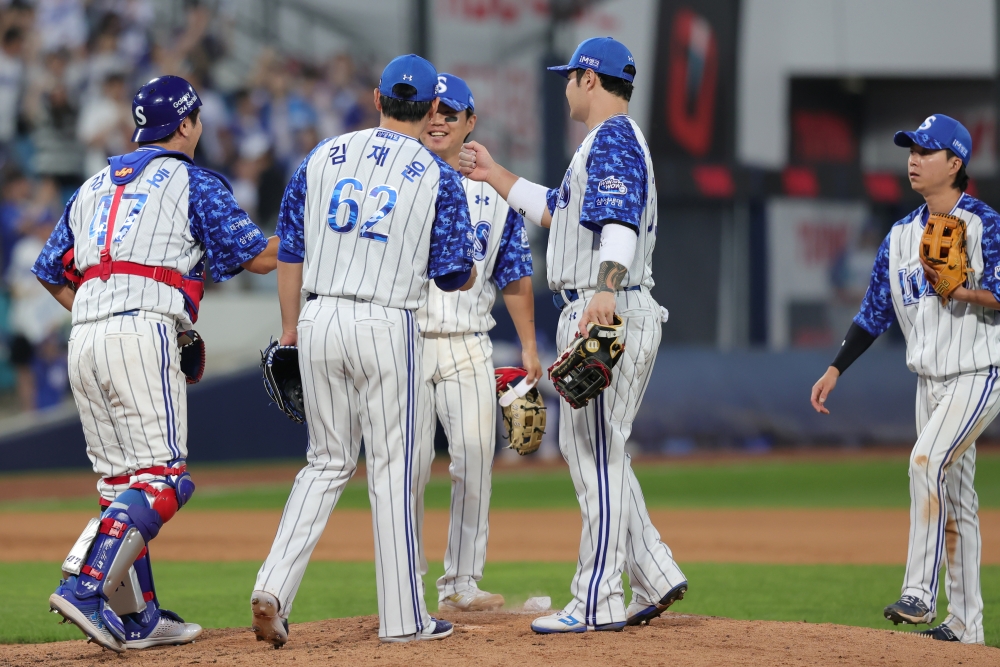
[(65, 106)]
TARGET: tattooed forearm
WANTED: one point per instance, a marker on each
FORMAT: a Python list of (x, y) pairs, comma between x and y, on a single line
[(610, 277)]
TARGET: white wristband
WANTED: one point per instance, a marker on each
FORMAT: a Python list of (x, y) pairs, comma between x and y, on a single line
[(528, 199), (618, 244)]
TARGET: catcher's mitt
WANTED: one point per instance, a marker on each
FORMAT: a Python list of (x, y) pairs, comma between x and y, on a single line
[(282, 379), (584, 370), (943, 247), (192, 355), (523, 410)]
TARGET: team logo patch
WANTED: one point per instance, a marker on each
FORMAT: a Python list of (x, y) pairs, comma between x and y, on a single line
[(996, 272), (562, 201), (589, 61), (524, 240), (482, 240), (926, 125), (612, 185), (124, 171)]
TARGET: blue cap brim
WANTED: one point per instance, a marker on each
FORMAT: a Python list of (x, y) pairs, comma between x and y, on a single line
[(562, 70), (907, 139), (454, 104)]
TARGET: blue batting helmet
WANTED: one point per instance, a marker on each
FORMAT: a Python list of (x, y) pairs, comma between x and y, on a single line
[(161, 105)]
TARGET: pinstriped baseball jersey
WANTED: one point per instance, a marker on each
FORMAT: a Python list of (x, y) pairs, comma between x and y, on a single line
[(609, 178), (373, 215), (501, 254), (173, 214), (941, 341)]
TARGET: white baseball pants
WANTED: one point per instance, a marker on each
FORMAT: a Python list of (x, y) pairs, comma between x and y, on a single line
[(361, 378), (461, 390), (617, 532), (944, 507)]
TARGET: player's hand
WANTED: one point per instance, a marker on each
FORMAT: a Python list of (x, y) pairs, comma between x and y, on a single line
[(930, 272), (601, 309), (531, 364), (289, 338), (822, 389), (475, 162)]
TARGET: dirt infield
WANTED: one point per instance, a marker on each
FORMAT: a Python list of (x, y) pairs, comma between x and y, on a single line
[(506, 639), (794, 536)]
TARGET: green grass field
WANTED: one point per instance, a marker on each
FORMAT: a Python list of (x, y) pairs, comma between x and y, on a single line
[(216, 594)]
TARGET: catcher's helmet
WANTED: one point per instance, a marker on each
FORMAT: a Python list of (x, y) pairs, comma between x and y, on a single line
[(161, 105)]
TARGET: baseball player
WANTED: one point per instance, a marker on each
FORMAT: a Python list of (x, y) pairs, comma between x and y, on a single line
[(365, 221), (128, 259), (952, 348), (602, 227), (458, 359)]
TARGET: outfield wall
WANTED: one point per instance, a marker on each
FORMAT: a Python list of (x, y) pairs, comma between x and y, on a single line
[(696, 398)]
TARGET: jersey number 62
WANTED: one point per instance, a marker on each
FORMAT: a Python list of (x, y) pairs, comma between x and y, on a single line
[(342, 197)]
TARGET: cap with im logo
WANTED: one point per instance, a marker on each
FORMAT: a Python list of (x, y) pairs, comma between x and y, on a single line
[(939, 132)]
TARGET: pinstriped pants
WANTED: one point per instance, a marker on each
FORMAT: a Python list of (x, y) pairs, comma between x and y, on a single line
[(361, 371), (461, 391), (129, 389), (944, 519), (617, 532)]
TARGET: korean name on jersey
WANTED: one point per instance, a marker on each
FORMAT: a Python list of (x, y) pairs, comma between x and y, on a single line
[(501, 254), (373, 199), (940, 342), (609, 178)]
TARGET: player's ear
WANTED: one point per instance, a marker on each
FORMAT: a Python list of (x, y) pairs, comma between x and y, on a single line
[(378, 101), (471, 124)]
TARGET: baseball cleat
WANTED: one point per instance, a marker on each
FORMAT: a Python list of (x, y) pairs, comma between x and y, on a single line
[(640, 612), (438, 629), (168, 630), (90, 615), (561, 621), (941, 633), (908, 609), (471, 600), (267, 624)]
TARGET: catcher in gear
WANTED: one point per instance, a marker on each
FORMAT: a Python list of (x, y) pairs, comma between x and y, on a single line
[(937, 274), (523, 409), (583, 370)]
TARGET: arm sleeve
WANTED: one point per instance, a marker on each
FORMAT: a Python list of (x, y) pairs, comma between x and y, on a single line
[(49, 265), (292, 214), (229, 235), (616, 179), (514, 253), (877, 314), (855, 343), (991, 253), (451, 231), (551, 197)]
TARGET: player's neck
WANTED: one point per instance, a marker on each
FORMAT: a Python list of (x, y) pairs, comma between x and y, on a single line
[(603, 108), (413, 130), (178, 146), (943, 201)]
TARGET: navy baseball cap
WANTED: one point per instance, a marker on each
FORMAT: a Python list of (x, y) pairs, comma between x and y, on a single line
[(411, 70), (937, 133), (604, 55), (454, 92), (160, 106)]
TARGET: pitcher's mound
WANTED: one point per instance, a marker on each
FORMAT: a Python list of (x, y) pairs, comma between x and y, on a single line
[(506, 639)]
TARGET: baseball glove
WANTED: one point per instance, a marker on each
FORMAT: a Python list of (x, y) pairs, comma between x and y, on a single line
[(943, 247), (584, 370), (192, 355), (283, 381), (523, 410)]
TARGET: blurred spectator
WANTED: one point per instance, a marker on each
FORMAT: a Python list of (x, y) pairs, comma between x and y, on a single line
[(11, 81), (36, 319), (16, 195), (60, 24), (58, 154), (105, 126)]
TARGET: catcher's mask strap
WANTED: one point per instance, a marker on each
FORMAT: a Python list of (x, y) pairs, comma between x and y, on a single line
[(517, 391)]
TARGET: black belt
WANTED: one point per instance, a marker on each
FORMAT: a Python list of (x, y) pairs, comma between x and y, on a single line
[(560, 302)]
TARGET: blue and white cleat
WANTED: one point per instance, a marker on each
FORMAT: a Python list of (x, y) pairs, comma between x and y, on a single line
[(90, 614), (908, 609), (158, 627), (561, 621), (438, 629), (641, 612)]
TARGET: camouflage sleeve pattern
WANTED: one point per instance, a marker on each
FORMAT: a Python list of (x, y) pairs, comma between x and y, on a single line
[(451, 231), (877, 314), (616, 177), (229, 235), (991, 251), (49, 266), (514, 253)]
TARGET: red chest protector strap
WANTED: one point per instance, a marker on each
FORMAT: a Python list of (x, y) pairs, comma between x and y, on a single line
[(193, 290)]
